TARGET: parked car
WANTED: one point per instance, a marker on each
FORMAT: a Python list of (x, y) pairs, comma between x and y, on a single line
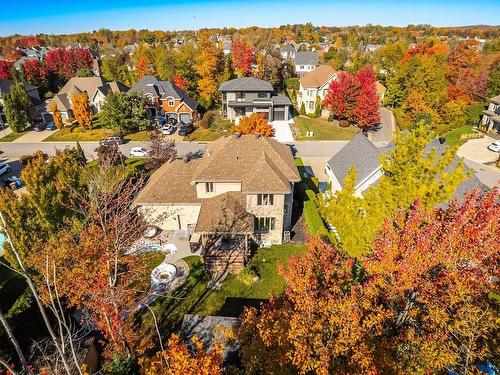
[(39, 127), (494, 146), (51, 126), (139, 152), (12, 183), (168, 129), (172, 121), (4, 168), (113, 140), (186, 129)]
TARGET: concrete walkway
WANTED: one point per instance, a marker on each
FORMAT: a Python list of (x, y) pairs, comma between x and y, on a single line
[(34, 137), (282, 131), (383, 136)]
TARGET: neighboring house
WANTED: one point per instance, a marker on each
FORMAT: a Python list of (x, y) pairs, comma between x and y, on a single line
[(97, 89), (372, 47), (314, 84), (288, 51), (246, 95), (305, 61), (365, 157), (20, 62), (32, 91), (361, 154), (491, 116), (238, 193), (165, 97), (36, 52)]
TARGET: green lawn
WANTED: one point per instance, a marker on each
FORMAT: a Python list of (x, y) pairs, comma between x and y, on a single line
[(10, 137), (200, 135), (453, 136), (74, 134), (141, 136), (195, 298), (323, 130)]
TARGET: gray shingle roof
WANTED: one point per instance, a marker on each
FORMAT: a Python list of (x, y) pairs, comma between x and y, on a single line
[(162, 89), (280, 100), (306, 58), (246, 84), (360, 153)]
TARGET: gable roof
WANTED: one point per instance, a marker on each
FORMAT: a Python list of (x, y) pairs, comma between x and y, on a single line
[(246, 84), (318, 77), (306, 58), (495, 99), (162, 90), (358, 152)]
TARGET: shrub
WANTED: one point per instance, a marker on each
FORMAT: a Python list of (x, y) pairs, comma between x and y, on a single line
[(343, 123), (208, 119), (302, 110), (292, 83)]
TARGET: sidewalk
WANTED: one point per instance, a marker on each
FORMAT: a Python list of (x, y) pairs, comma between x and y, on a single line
[(34, 137)]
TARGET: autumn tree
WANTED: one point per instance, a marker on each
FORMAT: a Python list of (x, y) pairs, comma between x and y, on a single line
[(419, 167), (242, 55), (56, 115), (209, 64), (160, 151), (178, 359), (81, 110), (18, 108), (143, 66), (342, 96), (256, 123), (419, 304), (367, 112), (6, 69), (35, 73)]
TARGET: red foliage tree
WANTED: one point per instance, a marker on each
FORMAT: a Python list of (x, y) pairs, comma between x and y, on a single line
[(180, 82), (6, 69), (64, 63), (342, 96), (29, 41), (35, 73), (367, 112), (242, 55)]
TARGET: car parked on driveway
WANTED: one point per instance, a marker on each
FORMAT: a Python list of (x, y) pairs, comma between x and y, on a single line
[(39, 127), (4, 168), (494, 146), (139, 152), (113, 140), (51, 126), (186, 129), (168, 129), (12, 183)]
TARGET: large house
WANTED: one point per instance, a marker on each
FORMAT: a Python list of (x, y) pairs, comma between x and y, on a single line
[(305, 61), (97, 89), (165, 97), (239, 192), (246, 95), (314, 84), (491, 116)]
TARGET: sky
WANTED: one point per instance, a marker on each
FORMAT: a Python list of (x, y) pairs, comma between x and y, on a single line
[(71, 16)]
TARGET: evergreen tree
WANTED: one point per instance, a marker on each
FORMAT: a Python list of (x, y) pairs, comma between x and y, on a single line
[(18, 108), (82, 160)]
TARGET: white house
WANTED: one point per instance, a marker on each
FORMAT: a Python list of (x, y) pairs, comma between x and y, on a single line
[(314, 84), (305, 61)]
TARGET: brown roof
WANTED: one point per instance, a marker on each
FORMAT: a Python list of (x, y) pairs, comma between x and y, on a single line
[(495, 99), (225, 213), (171, 183), (318, 77), (260, 164)]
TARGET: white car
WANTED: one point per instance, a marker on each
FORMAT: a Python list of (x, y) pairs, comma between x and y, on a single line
[(494, 146), (4, 168), (168, 129), (139, 152)]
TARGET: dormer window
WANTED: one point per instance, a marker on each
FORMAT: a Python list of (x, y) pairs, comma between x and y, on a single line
[(171, 102), (265, 199)]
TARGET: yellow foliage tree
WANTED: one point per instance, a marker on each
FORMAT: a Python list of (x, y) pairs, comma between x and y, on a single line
[(209, 63), (56, 115), (81, 110), (253, 124)]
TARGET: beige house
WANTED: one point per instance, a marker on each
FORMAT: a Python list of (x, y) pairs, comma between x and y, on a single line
[(314, 84), (240, 192), (491, 116), (97, 89)]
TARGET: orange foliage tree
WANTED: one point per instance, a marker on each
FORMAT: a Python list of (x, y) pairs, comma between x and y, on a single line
[(143, 66), (418, 304), (177, 359), (253, 124), (81, 110), (56, 115)]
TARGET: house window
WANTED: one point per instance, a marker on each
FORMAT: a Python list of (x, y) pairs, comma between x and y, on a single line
[(265, 199), (311, 105), (240, 96), (224, 96), (209, 187), (264, 223), (301, 67), (171, 102), (262, 95)]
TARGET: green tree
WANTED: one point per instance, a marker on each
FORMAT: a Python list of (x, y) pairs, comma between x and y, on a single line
[(125, 112), (416, 169), (302, 110), (18, 108), (494, 80)]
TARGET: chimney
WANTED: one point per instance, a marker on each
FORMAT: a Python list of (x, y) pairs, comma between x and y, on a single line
[(441, 140), (257, 135)]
